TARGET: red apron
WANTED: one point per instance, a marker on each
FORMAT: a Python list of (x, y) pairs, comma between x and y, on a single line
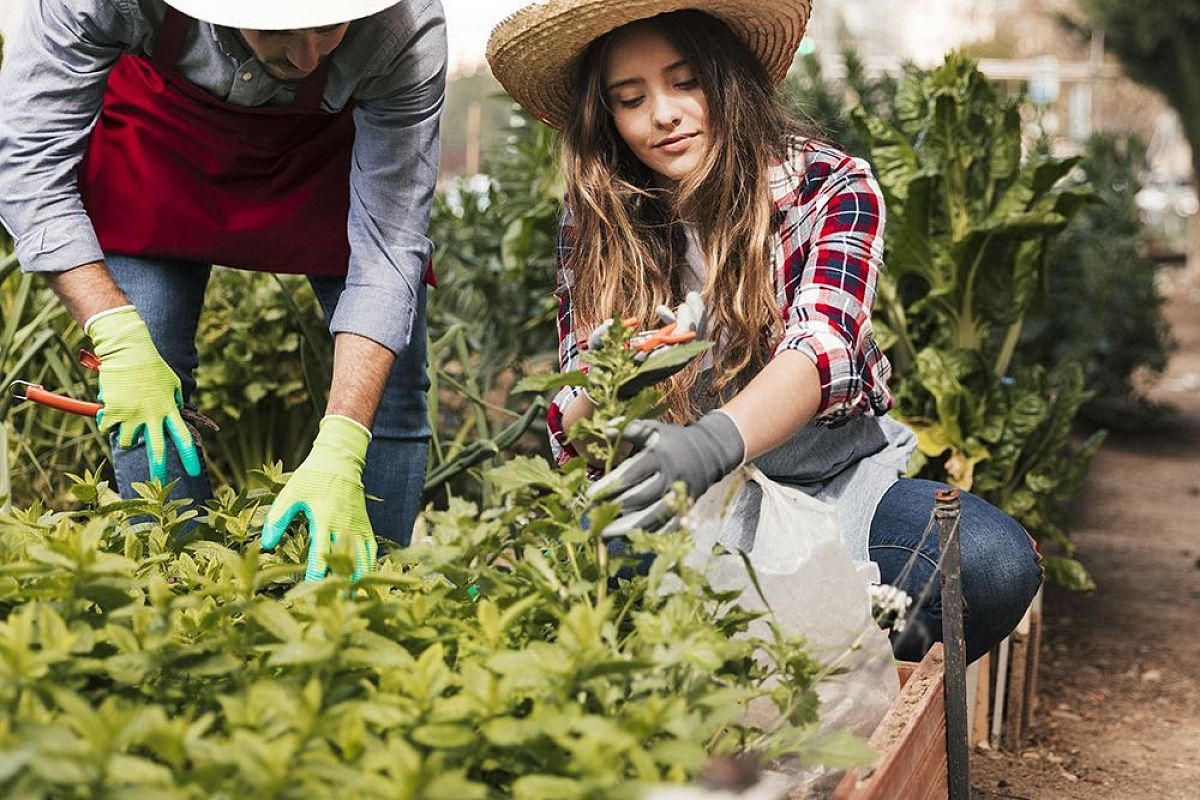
[(171, 171)]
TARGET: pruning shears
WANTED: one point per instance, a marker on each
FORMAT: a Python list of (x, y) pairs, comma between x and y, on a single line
[(647, 342), (36, 393)]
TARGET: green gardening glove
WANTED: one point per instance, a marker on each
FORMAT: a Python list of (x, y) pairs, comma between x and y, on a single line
[(142, 396), (327, 488)]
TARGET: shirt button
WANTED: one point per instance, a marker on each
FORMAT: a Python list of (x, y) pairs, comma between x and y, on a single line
[(246, 76)]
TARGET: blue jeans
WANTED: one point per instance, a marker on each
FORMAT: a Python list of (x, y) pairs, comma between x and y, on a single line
[(1001, 568), (169, 295)]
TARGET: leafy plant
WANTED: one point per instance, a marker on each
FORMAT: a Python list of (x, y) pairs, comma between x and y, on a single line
[(971, 223), (265, 366), (510, 655), (1113, 323), (38, 343), (492, 319)]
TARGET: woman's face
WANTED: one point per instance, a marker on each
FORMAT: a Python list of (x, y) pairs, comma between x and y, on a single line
[(656, 102)]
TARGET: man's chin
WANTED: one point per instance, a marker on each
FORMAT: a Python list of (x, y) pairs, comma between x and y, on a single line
[(286, 75)]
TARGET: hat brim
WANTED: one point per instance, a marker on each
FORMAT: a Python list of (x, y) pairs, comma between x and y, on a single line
[(279, 15), (535, 52)]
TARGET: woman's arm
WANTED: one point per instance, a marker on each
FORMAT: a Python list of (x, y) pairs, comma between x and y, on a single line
[(773, 407), (827, 364)]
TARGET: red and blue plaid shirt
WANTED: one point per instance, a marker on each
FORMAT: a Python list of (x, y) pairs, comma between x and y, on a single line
[(827, 252)]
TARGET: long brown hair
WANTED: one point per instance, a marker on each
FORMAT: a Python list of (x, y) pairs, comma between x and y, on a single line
[(629, 243)]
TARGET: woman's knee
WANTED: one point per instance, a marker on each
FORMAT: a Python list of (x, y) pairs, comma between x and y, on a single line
[(1001, 571)]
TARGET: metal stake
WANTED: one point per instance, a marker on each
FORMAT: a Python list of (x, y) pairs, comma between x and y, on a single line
[(946, 513)]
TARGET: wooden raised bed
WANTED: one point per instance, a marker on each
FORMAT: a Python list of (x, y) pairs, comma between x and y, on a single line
[(911, 740)]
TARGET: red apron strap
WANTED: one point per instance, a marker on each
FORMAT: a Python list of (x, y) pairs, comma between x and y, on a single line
[(171, 37)]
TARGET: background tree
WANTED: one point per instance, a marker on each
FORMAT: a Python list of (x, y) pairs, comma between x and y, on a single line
[(1156, 43)]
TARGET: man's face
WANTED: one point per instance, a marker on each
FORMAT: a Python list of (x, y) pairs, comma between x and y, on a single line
[(293, 55)]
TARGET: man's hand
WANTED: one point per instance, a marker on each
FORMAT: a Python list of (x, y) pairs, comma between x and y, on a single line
[(142, 396), (327, 489), (697, 455)]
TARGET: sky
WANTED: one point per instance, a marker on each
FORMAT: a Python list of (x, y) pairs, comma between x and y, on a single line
[(468, 24)]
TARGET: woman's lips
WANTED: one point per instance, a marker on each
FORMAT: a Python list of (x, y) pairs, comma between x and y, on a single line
[(676, 144)]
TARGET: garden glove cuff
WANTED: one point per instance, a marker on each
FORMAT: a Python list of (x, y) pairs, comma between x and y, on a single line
[(142, 396), (696, 455), (327, 489)]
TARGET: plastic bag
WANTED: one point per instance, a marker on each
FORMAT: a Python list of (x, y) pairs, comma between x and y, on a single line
[(812, 587)]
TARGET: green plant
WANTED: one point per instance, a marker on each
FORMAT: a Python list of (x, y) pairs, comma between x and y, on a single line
[(38, 343), (1102, 308), (491, 320), (971, 223), (265, 366), (510, 655)]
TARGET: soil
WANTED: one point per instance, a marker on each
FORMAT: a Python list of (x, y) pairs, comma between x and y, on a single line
[(1119, 712)]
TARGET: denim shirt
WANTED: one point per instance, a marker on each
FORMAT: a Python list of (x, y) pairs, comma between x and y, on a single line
[(392, 65)]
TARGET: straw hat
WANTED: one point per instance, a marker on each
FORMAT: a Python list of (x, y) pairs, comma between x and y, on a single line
[(279, 15), (535, 52)]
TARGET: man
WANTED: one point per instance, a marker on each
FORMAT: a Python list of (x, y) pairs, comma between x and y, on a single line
[(143, 141)]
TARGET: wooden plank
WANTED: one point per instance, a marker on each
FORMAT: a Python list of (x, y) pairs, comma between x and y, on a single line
[(983, 692), (1001, 684), (1014, 711), (911, 741), (1035, 660)]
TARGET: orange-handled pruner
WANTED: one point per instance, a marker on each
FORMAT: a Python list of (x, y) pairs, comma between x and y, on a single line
[(652, 340), (23, 390)]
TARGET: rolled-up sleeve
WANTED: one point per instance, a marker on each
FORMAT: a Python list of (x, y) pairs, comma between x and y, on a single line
[(53, 83), (831, 283), (568, 347), (392, 181)]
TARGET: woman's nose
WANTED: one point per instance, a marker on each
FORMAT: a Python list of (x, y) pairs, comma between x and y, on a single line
[(667, 113)]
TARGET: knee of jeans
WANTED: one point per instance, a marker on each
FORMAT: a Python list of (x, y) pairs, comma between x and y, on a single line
[(1001, 572)]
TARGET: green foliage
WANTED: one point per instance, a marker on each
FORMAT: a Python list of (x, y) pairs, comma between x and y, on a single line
[(510, 655), (826, 105), (491, 320), (1111, 321), (265, 366), (970, 225), (38, 342)]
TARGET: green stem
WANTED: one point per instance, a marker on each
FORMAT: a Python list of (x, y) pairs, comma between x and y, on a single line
[(1011, 337)]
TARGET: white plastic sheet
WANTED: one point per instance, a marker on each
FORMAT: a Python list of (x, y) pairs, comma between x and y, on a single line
[(812, 587)]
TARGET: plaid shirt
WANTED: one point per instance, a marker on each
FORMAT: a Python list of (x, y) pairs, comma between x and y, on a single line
[(827, 252)]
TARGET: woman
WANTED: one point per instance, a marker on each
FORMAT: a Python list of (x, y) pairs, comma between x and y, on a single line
[(684, 173)]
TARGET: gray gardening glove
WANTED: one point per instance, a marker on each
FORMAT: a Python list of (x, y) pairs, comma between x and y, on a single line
[(688, 316), (698, 455)]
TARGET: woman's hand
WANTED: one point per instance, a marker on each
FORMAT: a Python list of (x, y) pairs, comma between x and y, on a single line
[(688, 318), (696, 455)]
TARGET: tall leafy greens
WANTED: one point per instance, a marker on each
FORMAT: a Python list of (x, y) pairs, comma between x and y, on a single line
[(970, 224), (1114, 327), (510, 655), (491, 320)]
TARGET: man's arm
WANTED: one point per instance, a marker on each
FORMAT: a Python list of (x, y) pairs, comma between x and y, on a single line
[(86, 291), (52, 84), (360, 371), (392, 180)]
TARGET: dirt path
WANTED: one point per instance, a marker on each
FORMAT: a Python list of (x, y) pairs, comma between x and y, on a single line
[(1120, 676)]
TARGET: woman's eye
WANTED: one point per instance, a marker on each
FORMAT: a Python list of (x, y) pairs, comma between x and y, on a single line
[(689, 84), (630, 103)]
